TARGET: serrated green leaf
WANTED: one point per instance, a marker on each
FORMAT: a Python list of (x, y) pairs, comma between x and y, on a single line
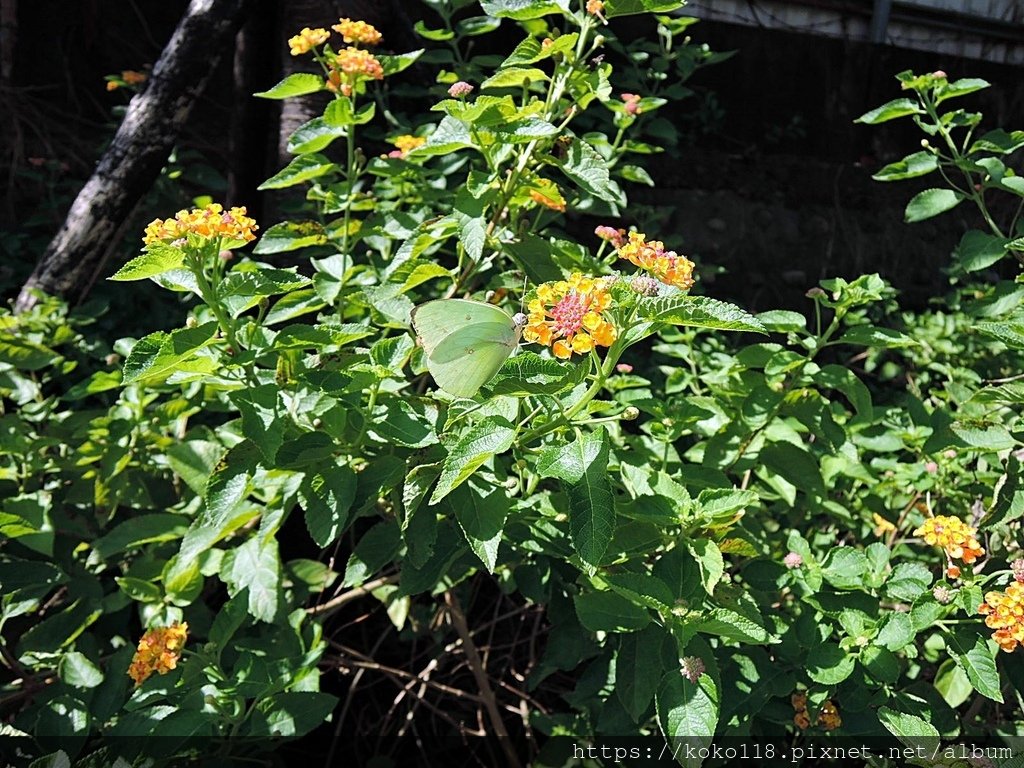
[(157, 259), (583, 467), (688, 715), (315, 135), (699, 312), (910, 167), (301, 169), (477, 445), (890, 111), (931, 202), (976, 656), (829, 664), (607, 611), (523, 10), (297, 84), (160, 354)]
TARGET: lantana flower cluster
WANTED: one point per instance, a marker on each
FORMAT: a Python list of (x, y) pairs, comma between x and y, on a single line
[(1004, 612), (959, 540), (568, 316), (405, 144), (349, 65), (158, 651), (209, 222), (667, 266)]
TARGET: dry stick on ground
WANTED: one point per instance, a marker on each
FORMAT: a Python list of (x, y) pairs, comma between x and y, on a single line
[(480, 674), (150, 128)]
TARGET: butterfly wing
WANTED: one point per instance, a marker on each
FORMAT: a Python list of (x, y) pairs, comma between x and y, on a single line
[(465, 342)]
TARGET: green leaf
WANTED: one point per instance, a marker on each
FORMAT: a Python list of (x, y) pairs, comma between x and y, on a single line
[(829, 664), (844, 568), (583, 467), (999, 142), (1010, 334), (159, 354), (523, 10), (688, 715), (979, 250), (78, 671), (699, 312), (314, 136), (890, 111), (157, 259), (394, 63), (1008, 498), (326, 499), (976, 656), (709, 559), (896, 633), (951, 681), (908, 581), (450, 136), (585, 166), (481, 511), (194, 461), (988, 437), (19, 574), (291, 236), (913, 732), (960, 87), (796, 465), (290, 715), (26, 355), (613, 8), (910, 167), (64, 721), (298, 84), (609, 612), (140, 530), (375, 549), (301, 169), (260, 420), (929, 203), (514, 77), (638, 669), (257, 567), (477, 445)]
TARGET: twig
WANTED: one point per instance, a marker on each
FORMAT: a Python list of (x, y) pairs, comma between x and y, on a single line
[(480, 674), (335, 603)]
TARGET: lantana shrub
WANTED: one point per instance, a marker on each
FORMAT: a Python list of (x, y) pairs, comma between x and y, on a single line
[(760, 530)]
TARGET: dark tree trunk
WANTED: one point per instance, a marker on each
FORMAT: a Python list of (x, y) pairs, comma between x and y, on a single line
[(138, 151), (252, 120)]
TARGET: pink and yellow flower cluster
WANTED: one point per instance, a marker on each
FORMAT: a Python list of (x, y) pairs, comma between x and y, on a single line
[(567, 315), (666, 266)]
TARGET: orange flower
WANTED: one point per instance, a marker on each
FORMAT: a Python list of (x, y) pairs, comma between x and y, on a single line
[(828, 717), (953, 535), (567, 316), (667, 266), (547, 194), (357, 32), (351, 65), (1004, 612), (132, 77), (307, 40), (209, 222), (158, 651), (595, 7)]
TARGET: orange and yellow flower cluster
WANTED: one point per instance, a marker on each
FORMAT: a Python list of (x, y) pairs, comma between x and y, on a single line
[(1004, 612), (567, 316), (666, 266), (357, 32), (209, 222), (307, 40), (828, 716), (158, 651), (953, 535), (349, 65)]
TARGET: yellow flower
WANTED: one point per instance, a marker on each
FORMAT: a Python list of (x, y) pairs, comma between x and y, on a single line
[(132, 77), (406, 144), (882, 526), (595, 7), (307, 40), (1004, 612), (158, 651), (667, 266), (953, 535), (357, 32), (566, 316), (209, 222)]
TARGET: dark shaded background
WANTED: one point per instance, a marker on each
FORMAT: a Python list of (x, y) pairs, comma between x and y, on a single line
[(769, 186)]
